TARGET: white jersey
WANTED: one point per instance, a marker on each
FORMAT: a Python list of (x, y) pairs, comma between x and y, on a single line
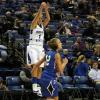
[(37, 36)]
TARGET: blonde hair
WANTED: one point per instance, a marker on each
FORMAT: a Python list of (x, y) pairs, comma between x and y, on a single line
[(80, 58), (52, 43), (97, 50)]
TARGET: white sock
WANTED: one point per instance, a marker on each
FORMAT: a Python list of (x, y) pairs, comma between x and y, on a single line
[(34, 87), (39, 93)]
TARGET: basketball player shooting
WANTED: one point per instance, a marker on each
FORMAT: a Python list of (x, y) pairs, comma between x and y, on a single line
[(35, 50)]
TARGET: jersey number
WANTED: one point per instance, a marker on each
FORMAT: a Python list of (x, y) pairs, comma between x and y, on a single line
[(39, 36), (48, 57)]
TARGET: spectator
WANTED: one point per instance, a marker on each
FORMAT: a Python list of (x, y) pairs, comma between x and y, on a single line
[(25, 75), (78, 47), (90, 30), (88, 51), (81, 67), (9, 21), (64, 29), (94, 74), (90, 62), (67, 29), (69, 69), (76, 22), (17, 23), (83, 7), (60, 28), (96, 52), (2, 85)]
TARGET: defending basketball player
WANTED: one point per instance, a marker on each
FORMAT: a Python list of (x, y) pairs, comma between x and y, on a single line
[(55, 64)]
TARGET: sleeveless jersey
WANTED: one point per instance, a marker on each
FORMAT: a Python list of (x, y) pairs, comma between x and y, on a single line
[(37, 36), (50, 69)]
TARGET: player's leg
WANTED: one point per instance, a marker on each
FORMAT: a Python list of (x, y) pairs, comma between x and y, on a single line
[(32, 59), (55, 98), (38, 71), (35, 86), (41, 54)]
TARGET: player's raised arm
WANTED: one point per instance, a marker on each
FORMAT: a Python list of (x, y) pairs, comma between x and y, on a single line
[(47, 19), (37, 18)]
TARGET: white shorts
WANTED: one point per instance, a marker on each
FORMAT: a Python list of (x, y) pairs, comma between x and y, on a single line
[(34, 54)]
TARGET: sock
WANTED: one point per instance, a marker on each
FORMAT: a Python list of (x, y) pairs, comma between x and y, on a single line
[(34, 85)]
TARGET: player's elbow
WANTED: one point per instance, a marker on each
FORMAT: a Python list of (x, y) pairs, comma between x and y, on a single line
[(48, 19), (60, 70)]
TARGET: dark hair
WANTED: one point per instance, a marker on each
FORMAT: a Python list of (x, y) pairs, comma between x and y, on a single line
[(52, 43)]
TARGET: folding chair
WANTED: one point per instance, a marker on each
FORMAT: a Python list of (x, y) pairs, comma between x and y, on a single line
[(82, 83), (15, 87)]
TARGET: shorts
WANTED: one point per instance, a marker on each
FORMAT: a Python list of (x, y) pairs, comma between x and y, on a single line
[(49, 87), (34, 54)]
